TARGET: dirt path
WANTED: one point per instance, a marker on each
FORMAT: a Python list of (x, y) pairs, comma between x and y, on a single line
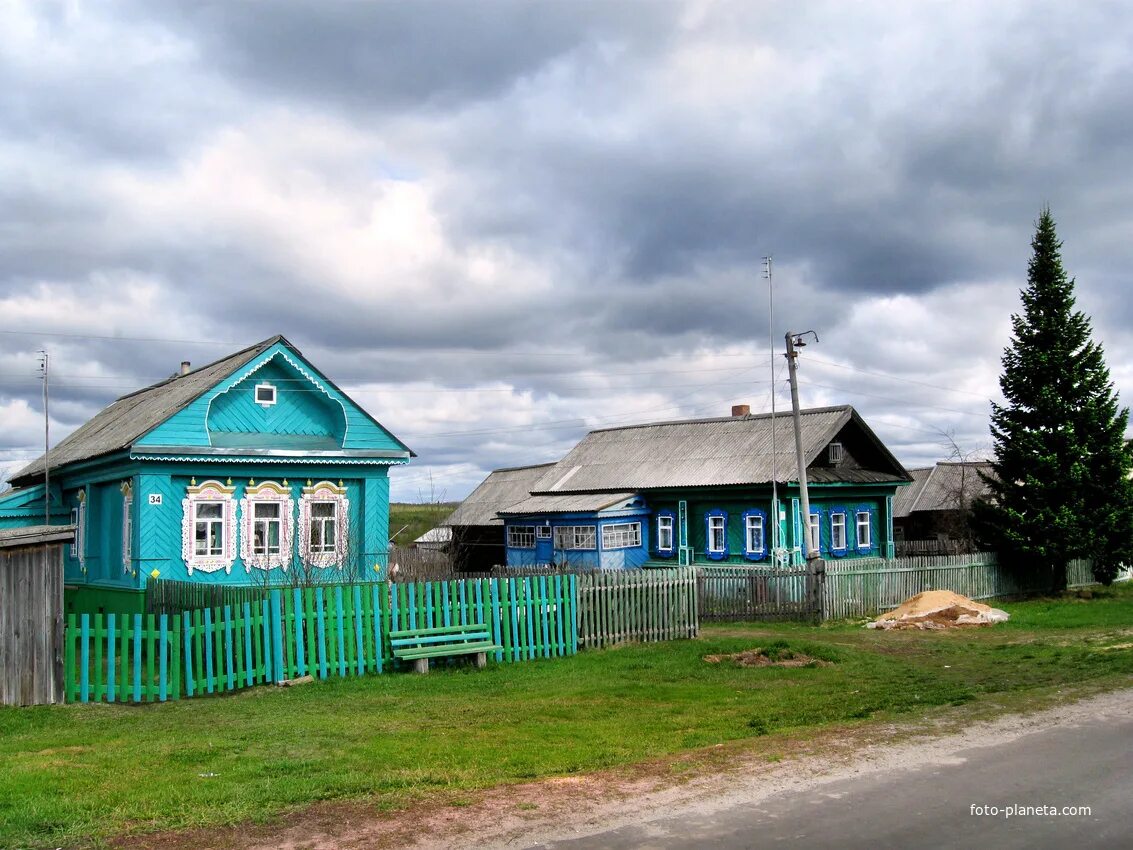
[(518, 816)]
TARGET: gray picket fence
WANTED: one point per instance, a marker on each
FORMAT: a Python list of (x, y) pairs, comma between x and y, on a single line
[(753, 593), (861, 588), (615, 606)]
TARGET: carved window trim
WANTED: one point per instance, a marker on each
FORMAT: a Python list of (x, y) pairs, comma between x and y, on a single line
[(209, 491), (322, 493), (127, 527), (274, 493)]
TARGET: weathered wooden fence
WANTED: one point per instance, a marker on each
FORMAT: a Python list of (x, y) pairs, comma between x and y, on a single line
[(753, 593), (31, 615), (167, 596), (636, 605), (336, 630), (864, 587)]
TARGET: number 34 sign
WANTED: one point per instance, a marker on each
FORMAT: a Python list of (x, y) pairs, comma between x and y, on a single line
[(155, 498)]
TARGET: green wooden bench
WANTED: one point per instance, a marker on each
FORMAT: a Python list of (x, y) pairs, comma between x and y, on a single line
[(419, 645)]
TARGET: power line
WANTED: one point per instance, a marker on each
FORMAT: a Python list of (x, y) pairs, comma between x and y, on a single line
[(893, 377), (463, 352), (901, 401)]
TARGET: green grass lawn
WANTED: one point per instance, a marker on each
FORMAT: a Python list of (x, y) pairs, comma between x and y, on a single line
[(410, 521), (88, 772)]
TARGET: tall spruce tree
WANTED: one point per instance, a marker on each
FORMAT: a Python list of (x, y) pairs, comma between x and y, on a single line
[(1060, 488)]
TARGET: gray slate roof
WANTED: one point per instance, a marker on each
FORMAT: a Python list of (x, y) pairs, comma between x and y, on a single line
[(127, 419), (702, 453), (938, 488), (566, 503), (501, 489)]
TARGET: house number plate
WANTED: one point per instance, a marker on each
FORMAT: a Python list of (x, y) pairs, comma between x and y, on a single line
[(155, 498)]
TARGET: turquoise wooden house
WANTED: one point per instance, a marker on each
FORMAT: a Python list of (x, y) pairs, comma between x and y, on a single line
[(700, 491), (252, 470)]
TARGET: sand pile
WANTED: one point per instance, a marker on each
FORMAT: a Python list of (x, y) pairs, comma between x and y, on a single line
[(938, 609)]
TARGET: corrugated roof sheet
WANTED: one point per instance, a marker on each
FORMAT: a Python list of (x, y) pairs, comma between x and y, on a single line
[(36, 535), (700, 453), (119, 425), (501, 489), (942, 487), (567, 503)]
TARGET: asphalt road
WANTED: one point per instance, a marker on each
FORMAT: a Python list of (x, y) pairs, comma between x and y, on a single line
[(928, 806)]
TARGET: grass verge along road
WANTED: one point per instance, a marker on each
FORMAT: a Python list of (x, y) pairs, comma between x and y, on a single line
[(72, 775)]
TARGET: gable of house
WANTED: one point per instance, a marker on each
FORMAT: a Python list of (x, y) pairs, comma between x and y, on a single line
[(274, 401)]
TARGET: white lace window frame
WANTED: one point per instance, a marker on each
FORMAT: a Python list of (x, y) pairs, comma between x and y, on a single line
[(209, 491), (270, 492), (322, 493)]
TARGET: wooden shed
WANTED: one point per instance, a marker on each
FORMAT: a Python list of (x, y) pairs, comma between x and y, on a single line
[(31, 614)]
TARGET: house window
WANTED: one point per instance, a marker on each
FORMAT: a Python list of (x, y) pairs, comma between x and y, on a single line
[(79, 520), (324, 518), (717, 534), (521, 536), (267, 517), (543, 532), (266, 528), (576, 537), (665, 533), (754, 541), (127, 526), (864, 541), (622, 535), (208, 533), (814, 534), (838, 531), (323, 524), (265, 395), (209, 529), (835, 453)]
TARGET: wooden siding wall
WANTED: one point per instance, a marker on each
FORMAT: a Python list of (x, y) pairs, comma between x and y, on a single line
[(31, 625), (300, 408)]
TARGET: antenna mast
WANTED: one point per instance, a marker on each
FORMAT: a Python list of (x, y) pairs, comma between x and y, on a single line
[(46, 443), (774, 452)]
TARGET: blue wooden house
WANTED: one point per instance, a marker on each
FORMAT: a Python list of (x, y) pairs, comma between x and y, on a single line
[(255, 469), (699, 491)]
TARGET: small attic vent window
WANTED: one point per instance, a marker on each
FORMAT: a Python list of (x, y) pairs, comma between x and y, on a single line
[(835, 455), (265, 394)]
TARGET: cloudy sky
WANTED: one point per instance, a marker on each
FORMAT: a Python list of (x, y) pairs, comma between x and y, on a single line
[(498, 225)]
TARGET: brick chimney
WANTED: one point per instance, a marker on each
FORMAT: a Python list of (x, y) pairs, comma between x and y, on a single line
[(185, 367), (741, 410)]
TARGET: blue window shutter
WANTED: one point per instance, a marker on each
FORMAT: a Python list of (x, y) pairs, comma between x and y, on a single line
[(872, 511), (761, 553), (715, 556), (846, 531)]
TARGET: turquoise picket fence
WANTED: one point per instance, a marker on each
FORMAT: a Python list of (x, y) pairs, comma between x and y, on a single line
[(334, 630)]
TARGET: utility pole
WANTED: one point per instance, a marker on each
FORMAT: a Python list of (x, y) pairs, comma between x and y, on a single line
[(46, 444), (816, 569)]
